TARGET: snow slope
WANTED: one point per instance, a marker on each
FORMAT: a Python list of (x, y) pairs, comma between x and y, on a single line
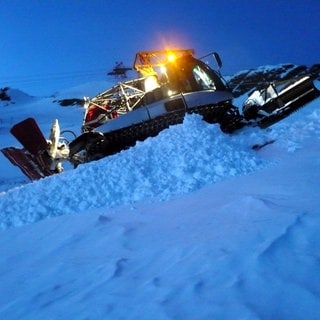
[(191, 224)]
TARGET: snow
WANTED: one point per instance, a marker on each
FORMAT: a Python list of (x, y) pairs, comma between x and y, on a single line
[(191, 224)]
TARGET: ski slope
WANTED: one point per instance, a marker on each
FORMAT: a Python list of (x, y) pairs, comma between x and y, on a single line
[(191, 224)]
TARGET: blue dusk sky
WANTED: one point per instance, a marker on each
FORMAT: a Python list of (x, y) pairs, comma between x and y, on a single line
[(47, 45)]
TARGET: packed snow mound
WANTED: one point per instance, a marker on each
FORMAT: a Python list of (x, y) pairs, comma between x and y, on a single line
[(243, 248), (181, 159)]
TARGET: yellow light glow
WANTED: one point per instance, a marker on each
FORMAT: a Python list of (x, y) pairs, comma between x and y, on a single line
[(150, 83), (163, 69), (171, 57)]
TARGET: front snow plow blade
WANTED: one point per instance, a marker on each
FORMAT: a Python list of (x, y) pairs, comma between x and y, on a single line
[(277, 101), (27, 163)]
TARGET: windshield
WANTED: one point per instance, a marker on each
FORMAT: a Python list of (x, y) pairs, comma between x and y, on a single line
[(189, 74), (202, 79)]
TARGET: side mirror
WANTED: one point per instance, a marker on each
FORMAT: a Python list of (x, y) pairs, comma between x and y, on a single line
[(218, 59)]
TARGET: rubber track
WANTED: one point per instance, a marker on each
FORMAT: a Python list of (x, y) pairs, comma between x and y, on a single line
[(122, 139)]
